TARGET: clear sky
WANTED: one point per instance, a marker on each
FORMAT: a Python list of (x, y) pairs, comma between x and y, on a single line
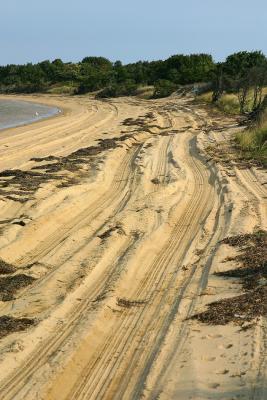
[(129, 30)]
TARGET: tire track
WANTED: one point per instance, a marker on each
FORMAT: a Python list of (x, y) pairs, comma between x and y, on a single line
[(155, 274), (113, 351)]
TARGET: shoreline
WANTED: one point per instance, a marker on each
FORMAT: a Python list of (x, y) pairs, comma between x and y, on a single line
[(58, 111), (19, 139)]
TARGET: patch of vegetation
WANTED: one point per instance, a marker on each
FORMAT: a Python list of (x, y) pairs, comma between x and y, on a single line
[(164, 88), (128, 88), (243, 74), (67, 89), (253, 144), (248, 147), (145, 92), (228, 103)]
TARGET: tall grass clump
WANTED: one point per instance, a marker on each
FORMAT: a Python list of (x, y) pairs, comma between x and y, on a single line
[(229, 104), (253, 144)]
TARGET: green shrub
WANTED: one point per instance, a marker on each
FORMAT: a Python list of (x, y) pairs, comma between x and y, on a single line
[(164, 88), (127, 88)]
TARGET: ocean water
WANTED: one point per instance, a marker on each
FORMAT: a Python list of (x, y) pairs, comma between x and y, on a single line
[(15, 113)]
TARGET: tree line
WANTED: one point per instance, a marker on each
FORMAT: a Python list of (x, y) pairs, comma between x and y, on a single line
[(245, 74), (242, 73), (111, 79)]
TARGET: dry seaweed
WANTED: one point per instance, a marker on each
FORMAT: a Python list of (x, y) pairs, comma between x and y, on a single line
[(122, 302), (9, 325), (18, 185), (252, 259), (48, 158), (10, 285), (20, 223), (252, 273), (6, 268), (239, 309)]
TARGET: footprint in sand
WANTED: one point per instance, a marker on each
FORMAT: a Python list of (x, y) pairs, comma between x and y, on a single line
[(211, 336), (222, 372), (208, 358), (225, 347), (213, 385)]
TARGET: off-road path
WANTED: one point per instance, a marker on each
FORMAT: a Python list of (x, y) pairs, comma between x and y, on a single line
[(120, 230)]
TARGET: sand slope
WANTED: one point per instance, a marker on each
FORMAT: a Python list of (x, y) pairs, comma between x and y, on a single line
[(122, 239)]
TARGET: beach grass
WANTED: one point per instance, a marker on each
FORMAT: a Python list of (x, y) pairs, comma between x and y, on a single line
[(253, 143), (229, 103)]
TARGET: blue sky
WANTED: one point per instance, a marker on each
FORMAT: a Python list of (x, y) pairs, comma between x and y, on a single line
[(129, 30)]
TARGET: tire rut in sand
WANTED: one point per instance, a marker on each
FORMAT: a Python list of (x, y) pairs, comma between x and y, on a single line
[(115, 356), (101, 374)]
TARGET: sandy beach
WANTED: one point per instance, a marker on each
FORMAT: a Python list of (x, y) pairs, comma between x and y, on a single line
[(111, 223)]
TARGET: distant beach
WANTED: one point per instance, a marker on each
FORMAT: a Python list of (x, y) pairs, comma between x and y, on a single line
[(16, 113)]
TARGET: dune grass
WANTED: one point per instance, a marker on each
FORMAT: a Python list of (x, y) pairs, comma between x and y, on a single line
[(145, 92), (229, 103), (253, 144)]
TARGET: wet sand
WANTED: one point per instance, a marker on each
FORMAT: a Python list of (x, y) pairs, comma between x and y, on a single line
[(17, 112)]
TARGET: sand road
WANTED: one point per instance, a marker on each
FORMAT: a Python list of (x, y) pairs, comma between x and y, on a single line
[(116, 214)]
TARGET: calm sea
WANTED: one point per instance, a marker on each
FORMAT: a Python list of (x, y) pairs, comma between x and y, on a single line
[(16, 113)]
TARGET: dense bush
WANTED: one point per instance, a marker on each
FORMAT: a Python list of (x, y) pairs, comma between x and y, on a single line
[(128, 88), (164, 88)]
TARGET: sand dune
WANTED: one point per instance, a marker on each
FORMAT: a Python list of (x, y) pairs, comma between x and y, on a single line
[(119, 231)]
